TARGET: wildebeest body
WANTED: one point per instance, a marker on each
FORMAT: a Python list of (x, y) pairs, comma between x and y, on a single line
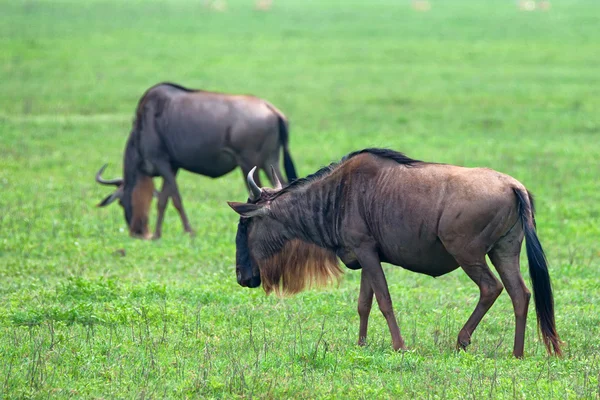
[(213, 136), (202, 132), (410, 232), (377, 206), (418, 233)]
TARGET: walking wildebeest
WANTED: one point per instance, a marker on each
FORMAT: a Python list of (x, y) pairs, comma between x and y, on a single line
[(378, 205), (202, 132)]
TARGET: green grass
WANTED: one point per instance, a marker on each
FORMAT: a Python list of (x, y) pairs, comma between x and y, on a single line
[(470, 83)]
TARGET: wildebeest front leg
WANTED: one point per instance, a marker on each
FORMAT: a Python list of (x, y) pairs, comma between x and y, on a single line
[(163, 199), (177, 202), (170, 184), (365, 301), (371, 266)]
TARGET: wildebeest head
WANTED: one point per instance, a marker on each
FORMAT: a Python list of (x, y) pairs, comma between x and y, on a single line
[(135, 199), (247, 271), (269, 252)]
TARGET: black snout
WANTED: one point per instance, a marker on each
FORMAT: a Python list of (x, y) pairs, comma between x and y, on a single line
[(253, 282), (248, 281)]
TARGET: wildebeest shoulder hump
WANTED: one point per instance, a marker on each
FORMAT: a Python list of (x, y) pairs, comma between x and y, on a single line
[(396, 156), (324, 171)]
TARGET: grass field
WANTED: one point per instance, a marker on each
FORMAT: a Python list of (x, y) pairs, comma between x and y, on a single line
[(470, 83)]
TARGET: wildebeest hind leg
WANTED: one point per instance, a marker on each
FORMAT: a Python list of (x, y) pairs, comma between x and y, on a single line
[(365, 301), (489, 290), (168, 175), (507, 265), (371, 266)]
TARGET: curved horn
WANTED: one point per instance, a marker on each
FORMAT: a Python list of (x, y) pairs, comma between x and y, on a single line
[(255, 191), (278, 185), (110, 182)]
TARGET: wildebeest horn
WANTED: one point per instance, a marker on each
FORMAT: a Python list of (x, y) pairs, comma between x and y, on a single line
[(278, 185), (254, 189), (110, 182)]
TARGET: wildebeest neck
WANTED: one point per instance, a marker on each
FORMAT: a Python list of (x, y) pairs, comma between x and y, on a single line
[(314, 207), (313, 212)]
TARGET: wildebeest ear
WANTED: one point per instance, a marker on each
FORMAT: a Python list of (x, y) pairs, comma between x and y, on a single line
[(247, 210), (109, 199)]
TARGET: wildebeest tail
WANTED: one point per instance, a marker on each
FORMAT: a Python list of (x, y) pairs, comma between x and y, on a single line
[(538, 271), (288, 164)]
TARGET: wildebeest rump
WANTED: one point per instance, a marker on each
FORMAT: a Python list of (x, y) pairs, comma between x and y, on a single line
[(378, 205), (202, 132)]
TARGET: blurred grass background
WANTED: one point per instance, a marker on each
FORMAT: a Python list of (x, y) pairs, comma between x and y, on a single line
[(470, 83)]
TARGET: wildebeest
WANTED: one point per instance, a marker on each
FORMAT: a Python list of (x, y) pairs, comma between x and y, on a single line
[(202, 132), (377, 205)]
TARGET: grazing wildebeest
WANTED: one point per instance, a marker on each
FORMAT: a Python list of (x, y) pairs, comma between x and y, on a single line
[(378, 205), (202, 132)]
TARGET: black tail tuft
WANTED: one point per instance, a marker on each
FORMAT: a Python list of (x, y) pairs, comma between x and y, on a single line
[(288, 164), (540, 278)]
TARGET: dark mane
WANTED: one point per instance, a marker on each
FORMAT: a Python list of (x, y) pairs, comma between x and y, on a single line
[(176, 86), (324, 171), (400, 158), (312, 177)]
